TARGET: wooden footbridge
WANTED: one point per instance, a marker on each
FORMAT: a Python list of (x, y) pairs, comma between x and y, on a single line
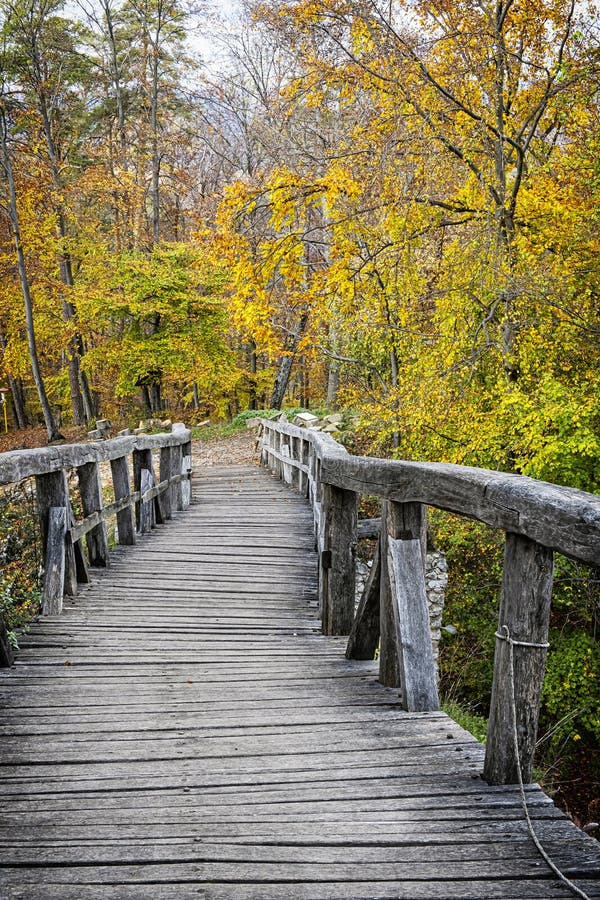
[(194, 724)]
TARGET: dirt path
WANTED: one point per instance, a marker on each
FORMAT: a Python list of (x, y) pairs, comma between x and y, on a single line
[(237, 450)]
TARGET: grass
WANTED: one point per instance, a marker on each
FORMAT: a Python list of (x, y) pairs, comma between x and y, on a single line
[(470, 721)]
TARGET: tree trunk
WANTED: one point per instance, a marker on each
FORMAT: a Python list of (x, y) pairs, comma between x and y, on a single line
[(252, 361), (286, 362), (51, 427), (65, 267), (16, 390)]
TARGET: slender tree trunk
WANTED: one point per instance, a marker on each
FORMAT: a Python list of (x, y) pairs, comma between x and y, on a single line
[(155, 151), (51, 427), (65, 267), (252, 361), (333, 375), (286, 362), (16, 390)]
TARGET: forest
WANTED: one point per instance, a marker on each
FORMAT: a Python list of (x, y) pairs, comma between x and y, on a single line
[(386, 207)]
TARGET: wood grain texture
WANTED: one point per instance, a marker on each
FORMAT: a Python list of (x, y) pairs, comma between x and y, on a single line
[(185, 730), (525, 611), (560, 518), (54, 575), (20, 464)]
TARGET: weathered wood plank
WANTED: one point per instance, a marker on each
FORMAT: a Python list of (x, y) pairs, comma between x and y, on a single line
[(90, 488), (524, 616), (52, 491), (54, 575), (337, 560), (122, 491), (364, 636)]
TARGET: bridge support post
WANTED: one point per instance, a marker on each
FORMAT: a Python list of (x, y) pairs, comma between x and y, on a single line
[(90, 489), (52, 489), (144, 512), (521, 638), (164, 473), (122, 491), (337, 576), (406, 653), (7, 656)]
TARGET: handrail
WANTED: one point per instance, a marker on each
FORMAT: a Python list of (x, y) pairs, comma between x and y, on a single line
[(537, 517), (137, 510)]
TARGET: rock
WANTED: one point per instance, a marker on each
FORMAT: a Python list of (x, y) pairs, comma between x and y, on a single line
[(102, 425), (334, 418), (138, 430), (305, 420), (94, 435), (282, 418), (330, 429), (166, 424), (253, 423), (202, 424), (125, 433)]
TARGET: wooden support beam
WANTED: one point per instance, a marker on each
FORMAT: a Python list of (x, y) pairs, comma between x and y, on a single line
[(122, 491), (90, 488), (364, 636), (52, 490), (55, 555), (176, 469), (7, 656), (337, 572), (147, 519), (164, 475), (524, 617), (406, 658), (142, 461), (186, 471)]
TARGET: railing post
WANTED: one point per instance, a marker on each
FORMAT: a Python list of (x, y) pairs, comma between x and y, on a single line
[(90, 488), (523, 620), (304, 482), (54, 575), (406, 653), (144, 512), (7, 656), (366, 628), (337, 559), (176, 487), (52, 490), (296, 456), (122, 491), (165, 470), (186, 469)]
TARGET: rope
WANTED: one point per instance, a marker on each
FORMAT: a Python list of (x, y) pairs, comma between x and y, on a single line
[(511, 645)]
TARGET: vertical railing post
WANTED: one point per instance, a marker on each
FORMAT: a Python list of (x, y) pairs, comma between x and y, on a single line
[(164, 471), (7, 656), (176, 488), (304, 485), (122, 491), (186, 470), (406, 653), (90, 488), (296, 457), (52, 490), (142, 480), (521, 640), (337, 559)]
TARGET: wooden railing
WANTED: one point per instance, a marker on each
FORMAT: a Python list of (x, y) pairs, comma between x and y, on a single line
[(136, 510), (538, 518)]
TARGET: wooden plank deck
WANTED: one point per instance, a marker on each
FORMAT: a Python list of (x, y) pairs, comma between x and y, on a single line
[(184, 731)]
